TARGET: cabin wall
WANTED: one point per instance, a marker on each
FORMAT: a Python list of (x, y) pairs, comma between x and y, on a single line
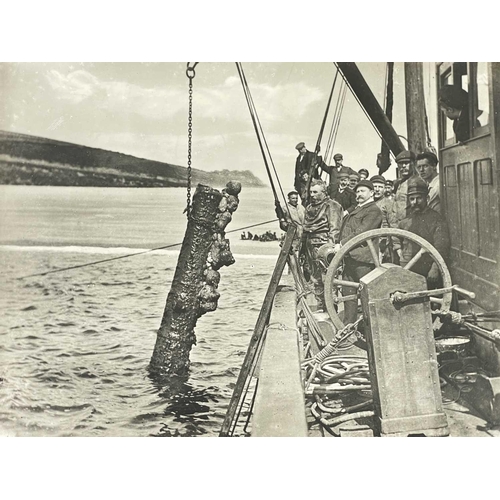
[(469, 177)]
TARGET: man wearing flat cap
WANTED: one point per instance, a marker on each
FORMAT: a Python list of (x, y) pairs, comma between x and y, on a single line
[(365, 216), (385, 205), (363, 173), (344, 194), (303, 166), (428, 224), (389, 189), (406, 169), (353, 180), (334, 170)]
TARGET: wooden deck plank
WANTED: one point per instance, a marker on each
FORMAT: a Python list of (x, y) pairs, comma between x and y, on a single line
[(279, 405)]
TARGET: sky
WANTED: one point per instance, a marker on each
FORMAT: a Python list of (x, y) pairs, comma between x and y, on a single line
[(141, 109)]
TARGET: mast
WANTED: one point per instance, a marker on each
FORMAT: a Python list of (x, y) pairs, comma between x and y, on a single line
[(370, 104), (415, 106)]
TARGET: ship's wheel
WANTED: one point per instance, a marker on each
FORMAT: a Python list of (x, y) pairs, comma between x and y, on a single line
[(333, 280)]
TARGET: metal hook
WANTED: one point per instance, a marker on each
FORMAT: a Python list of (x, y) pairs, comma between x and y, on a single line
[(190, 73)]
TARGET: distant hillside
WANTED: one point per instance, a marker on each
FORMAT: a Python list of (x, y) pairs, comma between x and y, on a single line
[(30, 160)]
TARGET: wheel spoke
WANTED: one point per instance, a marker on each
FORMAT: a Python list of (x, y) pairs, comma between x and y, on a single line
[(352, 284), (415, 258), (374, 252)]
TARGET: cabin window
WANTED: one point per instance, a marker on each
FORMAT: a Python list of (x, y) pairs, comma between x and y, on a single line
[(447, 125), (473, 78), (480, 98)]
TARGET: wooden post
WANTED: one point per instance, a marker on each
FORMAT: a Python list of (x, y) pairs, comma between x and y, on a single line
[(194, 287), (415, 106), (384, 160)]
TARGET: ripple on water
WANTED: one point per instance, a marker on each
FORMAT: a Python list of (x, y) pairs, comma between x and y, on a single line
[(94, 356)]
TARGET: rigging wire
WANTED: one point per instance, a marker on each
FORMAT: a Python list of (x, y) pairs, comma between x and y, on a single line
[(329, 147), (322, 128), (314, 165), (339, 117), (366, 113), (258, 128), (133, 254)]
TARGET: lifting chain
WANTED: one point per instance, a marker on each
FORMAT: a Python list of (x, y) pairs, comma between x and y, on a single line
[(190, 73)]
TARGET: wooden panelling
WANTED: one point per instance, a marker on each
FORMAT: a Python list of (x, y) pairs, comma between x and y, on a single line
[(487, 205), (468, 211), (453, 206)]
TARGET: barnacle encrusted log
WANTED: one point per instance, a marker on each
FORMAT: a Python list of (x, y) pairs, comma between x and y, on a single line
[(194, 288)]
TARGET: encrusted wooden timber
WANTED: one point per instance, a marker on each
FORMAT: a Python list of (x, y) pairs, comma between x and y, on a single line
[(194, 287)]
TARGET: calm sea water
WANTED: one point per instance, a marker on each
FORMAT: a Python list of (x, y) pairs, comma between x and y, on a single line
[(75, 345)]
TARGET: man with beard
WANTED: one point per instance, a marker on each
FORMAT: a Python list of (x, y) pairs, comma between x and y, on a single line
[(406, 169), (428, 224), (358, 262), (427, 169), (321, 225), (344, 194)]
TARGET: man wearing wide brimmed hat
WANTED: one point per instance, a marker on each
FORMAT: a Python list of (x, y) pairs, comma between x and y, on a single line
[(303, 168), (426, 223), (365, 216), (334, 170)]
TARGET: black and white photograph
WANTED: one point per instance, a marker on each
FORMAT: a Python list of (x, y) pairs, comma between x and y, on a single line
[(280, 248), (339, 279)]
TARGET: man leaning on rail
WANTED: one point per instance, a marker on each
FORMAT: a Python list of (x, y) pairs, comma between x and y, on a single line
[(321, 225)]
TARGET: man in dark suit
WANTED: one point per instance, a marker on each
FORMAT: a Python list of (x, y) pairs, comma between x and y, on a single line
[(303, 168), (344, 194), (334, 170), (358, 262)]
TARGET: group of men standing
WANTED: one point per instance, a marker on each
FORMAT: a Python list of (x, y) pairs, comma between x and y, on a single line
[(337, 211)]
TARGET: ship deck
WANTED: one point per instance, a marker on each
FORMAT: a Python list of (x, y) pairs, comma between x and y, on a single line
[(281, 407)]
